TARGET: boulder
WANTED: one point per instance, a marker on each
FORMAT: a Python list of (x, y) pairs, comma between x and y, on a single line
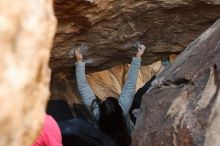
[(182, 107)]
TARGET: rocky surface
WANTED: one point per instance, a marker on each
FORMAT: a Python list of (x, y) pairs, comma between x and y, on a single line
[(184, 109), (108, 28), (27, 29)]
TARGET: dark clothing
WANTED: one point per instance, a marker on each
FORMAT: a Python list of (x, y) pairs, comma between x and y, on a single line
[(59, 110), (138, 97), (77, 131), (83, 133)]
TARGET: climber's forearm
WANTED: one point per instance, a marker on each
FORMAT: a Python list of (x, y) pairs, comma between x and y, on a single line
[(128, 90), (82, 84)]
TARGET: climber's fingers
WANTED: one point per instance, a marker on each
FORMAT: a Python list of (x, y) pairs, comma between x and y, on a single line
[(78, 55), (141, 49)]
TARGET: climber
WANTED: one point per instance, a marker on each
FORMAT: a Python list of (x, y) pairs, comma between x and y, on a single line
[(50, 134), (111, 114)]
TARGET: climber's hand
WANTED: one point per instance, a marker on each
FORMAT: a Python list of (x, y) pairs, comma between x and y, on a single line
[(78, 55), (140, 52)]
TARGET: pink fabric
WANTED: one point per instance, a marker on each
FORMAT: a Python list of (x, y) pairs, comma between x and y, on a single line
[(50, 134)]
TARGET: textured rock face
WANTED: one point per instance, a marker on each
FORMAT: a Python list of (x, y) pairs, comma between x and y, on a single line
[(26, 32), (108, 29), (185, 111), (104, 83)]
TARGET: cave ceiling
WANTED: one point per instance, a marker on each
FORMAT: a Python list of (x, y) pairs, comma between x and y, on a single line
[(107, 29)]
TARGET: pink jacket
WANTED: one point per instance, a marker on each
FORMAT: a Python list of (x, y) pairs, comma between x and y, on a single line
[(50, 134)]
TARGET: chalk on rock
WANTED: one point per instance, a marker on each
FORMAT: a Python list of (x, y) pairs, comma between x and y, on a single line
[(83, 49)]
